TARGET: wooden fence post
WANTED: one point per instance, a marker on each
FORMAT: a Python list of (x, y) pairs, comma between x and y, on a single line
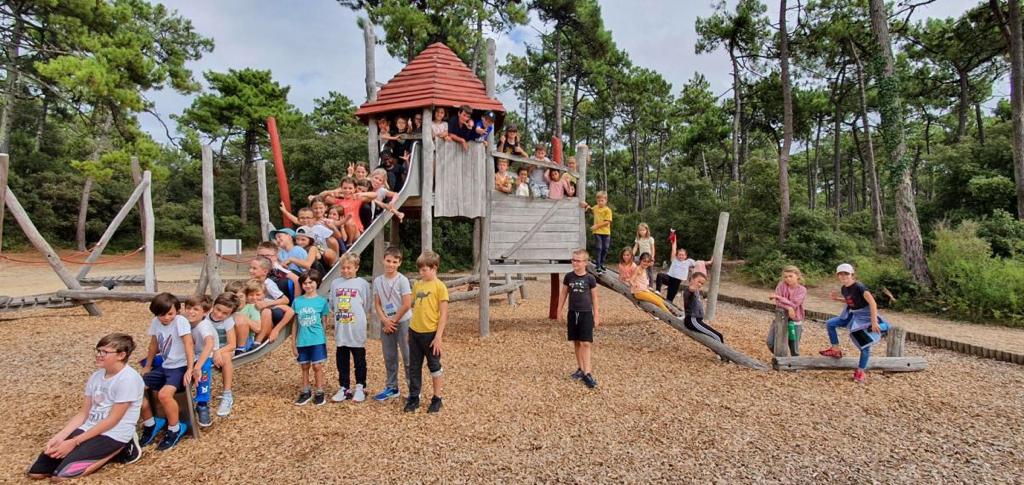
[(485, 221), (427, 183), (780, 346), (261, 183), (147, 202), (716, 267), (895, 342), (209, 229)]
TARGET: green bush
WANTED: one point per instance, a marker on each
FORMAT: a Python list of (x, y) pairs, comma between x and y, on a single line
[(1004, 232), (972, 284), (888, 275)]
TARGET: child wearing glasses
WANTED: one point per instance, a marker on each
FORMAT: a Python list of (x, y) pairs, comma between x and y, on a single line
[(579, 289), (104, 427)]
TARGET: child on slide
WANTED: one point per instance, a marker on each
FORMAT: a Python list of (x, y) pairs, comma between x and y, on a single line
[(859, 315), (789, 295), (694, 308), (104, 427)]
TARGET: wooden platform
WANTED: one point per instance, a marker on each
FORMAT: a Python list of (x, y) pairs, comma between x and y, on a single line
[(534, 229)]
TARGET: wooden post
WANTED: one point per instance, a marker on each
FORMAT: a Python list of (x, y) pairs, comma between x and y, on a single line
[(427, 187), (895, 342), (209, 229), (781, 324), (203, 282), (372, 148), (511, 294), (112, 227), (261, 183), (485, 222), (522, 289), (136, 170), (37, 240), (83, 214), (5, 165), (378, 269), (582, 162), (370, 43), (147, 201), (716, 267)]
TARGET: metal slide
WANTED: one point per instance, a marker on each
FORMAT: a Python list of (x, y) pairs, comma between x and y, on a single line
[(412, 181)]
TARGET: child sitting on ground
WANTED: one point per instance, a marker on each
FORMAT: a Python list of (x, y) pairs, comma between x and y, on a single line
[(558, 187), (229, 332), (694, 308), (104, 427), (602, 227), (426, 331), (392, 301), (789, 295), (204, 336), (626, 265), (273, 304), (539, 175), (350, 302), (309, 345), (640, 286), (579, 288), (644, 243), (523, 182), (859, 315), (679, 271), (171, 335), (502, 179)]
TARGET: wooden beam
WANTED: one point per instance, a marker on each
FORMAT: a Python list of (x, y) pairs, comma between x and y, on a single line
[(716, 267), (37, 240), (5, 166), (485, 221), (427, 183), (104, 294), (261, 184), (209, 225), (150, 241), (475, 292), (890, 364), (895, 342), (136, 170), (526, 237), (582, 162), (135, 197), (533, 268), (372, 147), (780, 347), (610, 280), (530, 161), (369, 46)]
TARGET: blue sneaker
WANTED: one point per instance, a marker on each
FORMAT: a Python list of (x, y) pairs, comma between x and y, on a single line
[(149, 433), (171, 438), (387, 393)]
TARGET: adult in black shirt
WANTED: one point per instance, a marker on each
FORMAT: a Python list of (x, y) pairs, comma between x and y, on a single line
[(460, 127)]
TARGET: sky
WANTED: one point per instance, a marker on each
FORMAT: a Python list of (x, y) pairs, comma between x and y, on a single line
[(315, 46)]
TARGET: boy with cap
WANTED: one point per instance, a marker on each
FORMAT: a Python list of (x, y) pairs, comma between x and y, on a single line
[(860, 316), (287, 252)]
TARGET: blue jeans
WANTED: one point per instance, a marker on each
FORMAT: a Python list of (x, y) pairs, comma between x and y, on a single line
[(845, 320), (604, 242)]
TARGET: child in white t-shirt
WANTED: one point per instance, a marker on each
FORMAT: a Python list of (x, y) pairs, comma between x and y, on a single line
[(204, 336), (171, 337)]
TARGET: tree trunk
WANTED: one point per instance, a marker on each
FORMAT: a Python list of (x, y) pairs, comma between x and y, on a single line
[(927, 133), (558, 83), (981, 123), (41, 123), (869, 159), (243, 175), (787, 124), (575, 111), (13, 85), (1016, 46), (479, 45), (894, 137), (963, 105), (369, 43), (837, 167), (83, 210), (812, 173), (737, 112)]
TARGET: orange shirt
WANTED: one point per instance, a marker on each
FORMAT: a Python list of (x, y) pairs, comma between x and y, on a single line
[(351, 207)]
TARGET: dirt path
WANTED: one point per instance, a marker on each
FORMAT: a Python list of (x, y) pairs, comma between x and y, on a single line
[(990, 336)]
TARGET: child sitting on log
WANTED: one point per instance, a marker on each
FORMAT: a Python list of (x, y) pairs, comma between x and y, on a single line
[(789, 295), (680, 269), (579, 289), (104, 427), (859, 315), (640, 286), (694, 308), (627, 266)]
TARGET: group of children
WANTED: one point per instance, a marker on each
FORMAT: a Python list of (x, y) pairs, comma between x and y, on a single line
[(536, 181)]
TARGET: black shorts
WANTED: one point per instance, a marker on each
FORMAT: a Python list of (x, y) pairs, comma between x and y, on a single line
[(81, 458), (276, 315), (158, 377), (581, 326)]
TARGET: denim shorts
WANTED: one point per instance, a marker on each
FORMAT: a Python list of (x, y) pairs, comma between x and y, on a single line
[(312, 354)]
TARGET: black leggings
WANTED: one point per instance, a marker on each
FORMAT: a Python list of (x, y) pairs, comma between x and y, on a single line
[(358, 357), (698, 325), (669, 281), (92, 451)]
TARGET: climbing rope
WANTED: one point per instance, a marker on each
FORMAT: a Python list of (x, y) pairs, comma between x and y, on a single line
[(114, 259)]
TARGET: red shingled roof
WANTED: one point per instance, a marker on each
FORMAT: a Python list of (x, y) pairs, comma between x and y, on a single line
[(436, 77)]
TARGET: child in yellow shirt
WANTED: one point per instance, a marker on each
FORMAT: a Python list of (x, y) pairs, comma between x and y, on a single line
[(429, 317)]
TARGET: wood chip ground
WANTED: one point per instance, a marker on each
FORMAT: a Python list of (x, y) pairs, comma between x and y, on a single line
[(666, 410)]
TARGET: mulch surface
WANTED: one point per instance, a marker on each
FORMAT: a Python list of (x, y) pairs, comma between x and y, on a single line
[(666, 410)]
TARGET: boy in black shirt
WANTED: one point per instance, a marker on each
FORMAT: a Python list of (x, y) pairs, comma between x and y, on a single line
[(579, 288), (860, 316), (460, 127)]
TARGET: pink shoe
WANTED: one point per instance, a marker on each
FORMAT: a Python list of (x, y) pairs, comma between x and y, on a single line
[(859, 376), (831, 352)]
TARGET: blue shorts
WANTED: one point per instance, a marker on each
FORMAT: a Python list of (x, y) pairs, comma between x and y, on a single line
[(312, 354), (159, 377)]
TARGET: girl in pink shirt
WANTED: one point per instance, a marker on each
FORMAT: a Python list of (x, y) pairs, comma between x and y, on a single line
[(558, 187), (790, 295)]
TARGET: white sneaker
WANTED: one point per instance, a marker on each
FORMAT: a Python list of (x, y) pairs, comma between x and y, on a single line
[(226, 402), (340, 395), (359, 395)]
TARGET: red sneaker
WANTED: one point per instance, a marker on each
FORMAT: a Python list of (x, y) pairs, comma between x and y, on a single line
[(859, 375), (832, 352)]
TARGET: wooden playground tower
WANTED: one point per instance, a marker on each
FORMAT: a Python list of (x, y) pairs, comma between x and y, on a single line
[(512, 235)]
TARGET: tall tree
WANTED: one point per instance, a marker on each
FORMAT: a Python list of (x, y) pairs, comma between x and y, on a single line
[(894, 137), (787, 123), (1015, 45)]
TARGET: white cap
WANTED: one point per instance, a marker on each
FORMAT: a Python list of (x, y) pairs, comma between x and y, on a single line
[(844, 268)]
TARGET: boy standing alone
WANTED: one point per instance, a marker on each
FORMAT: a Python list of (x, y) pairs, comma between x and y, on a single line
[(429, 317), (579, 288)]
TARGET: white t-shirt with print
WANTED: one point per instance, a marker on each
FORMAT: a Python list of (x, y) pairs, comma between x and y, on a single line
[(168, 340), (126, 386), (202, 330)]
